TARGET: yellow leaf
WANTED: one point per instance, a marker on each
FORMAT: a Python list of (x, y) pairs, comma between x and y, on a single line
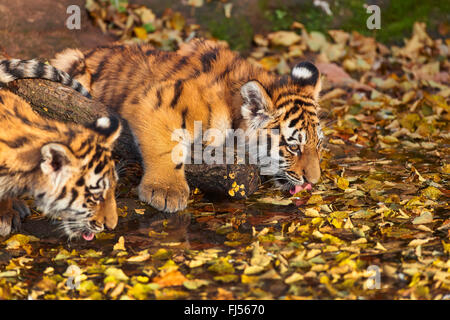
[(120, 245), (142, 256), (115, 274), (425, 217), (342, 183), (431, 193), (195, 284), (446, 247), (315, 199), (245, 279), (139, 211), (140, 32), (146, 14), (283, 38), (293, 278), (253, 270), (336, 141), (418, 242), (311, 212), (170, 278), (269, 63), (19, 240)]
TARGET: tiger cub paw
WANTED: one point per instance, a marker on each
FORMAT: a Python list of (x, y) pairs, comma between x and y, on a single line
[(9, 221), (11, 215), (165, 198)]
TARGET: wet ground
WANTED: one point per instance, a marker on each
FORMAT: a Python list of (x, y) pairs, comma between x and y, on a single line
[(252, 249)]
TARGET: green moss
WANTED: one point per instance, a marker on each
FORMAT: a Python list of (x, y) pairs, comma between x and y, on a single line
[(397, 17), (237, 31), (281, 14)]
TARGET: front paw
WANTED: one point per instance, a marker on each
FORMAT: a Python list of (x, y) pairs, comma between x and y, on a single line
[(21, 207), (9, 221), (163, 198)]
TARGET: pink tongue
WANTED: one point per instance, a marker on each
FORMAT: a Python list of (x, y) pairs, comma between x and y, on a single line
[(88, 236), (305, 186)]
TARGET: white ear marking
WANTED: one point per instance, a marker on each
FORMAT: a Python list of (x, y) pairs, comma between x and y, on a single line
[(103, 123), (301, 73)]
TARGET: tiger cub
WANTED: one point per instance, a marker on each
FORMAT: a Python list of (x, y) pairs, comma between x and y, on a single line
[(67, 168), (158, 92)]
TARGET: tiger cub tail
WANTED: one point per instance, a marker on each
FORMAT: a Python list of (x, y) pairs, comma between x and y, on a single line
[(14, 69)]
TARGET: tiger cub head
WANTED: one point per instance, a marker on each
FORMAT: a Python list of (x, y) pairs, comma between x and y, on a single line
[(79, 180), (290, 109)]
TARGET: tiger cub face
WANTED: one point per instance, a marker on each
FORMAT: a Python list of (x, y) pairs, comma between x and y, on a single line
[(78, 181), (292, 110)]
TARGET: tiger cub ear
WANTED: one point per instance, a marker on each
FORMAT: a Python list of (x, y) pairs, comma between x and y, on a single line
[(109, 127), (257, 106), (306, 74), (55, 157)]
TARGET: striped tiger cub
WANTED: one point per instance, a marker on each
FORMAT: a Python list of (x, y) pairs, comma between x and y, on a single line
[(67, 168), (159, 92)]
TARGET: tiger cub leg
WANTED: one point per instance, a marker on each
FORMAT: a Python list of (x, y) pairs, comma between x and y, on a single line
[(163, 185), (11, 212)]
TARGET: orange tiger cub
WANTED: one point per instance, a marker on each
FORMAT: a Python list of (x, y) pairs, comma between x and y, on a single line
[(158, 92), (67, 168)]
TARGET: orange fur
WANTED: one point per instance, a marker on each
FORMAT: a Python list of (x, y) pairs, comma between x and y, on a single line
[(158, 92), (53, 161)]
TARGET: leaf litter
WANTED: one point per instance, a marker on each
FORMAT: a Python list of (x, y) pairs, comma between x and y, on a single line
[(382, 200)]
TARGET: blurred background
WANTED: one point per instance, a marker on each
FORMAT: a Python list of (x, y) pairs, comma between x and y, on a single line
[(37, 28)]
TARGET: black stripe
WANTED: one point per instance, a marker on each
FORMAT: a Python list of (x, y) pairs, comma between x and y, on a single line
[(56, 76), (100, 167), (80, 182), (17, 143), (39, 70), (208, 58), (40, 195), (86, 143), (208, 105), (15, 72), (62, 194), (236, 62), (74, 197), (3, 171), (94, 159), (183, 117), (159, 98), (286, 94), (178, 89), (297, 101), (100, 68), (135, 100), (179, 166), (73, 67), (294, 122), (295, 108), (176, 68), (77, 72)]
